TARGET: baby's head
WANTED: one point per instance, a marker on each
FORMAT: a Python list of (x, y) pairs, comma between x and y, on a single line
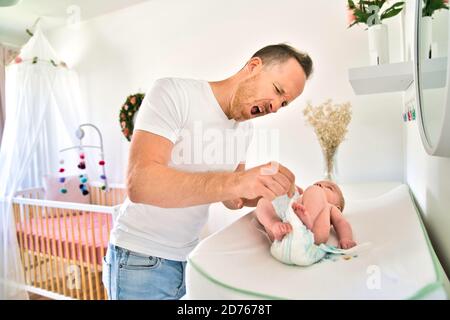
[(333, 193)]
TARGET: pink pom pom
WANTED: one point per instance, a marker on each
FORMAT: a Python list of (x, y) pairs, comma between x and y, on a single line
[(81, 155), (61, 170), (101, 162)]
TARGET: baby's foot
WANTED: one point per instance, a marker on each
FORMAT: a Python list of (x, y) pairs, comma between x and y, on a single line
[(346, 243), (279, 229), (303, 215)]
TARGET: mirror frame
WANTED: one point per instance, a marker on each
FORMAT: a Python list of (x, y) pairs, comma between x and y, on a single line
[(442, 146)]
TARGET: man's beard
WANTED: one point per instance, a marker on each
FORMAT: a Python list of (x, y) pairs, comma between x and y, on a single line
[(240, 105)]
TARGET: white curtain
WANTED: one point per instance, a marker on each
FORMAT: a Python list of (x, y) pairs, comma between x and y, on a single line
[(42, 114), (6, 56)]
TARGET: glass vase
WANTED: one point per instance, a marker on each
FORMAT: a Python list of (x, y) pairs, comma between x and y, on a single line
[(330, 167)]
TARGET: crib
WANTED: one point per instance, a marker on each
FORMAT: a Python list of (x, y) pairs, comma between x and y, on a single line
[(62, 244)]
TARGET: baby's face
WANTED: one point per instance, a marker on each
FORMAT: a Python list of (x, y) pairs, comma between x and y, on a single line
[(331, 191)]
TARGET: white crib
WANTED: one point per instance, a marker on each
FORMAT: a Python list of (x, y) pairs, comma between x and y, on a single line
[(62, 243)]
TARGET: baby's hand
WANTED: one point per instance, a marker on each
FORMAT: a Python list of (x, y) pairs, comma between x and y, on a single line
[(346, 243)]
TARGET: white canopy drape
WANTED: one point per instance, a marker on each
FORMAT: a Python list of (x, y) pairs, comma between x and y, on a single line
[(42, 113)]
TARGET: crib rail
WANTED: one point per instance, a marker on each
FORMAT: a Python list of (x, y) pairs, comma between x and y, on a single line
[(33, 193), (115, 195), (62, 243)]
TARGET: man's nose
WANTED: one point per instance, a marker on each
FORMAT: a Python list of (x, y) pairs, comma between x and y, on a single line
[(275, 106)]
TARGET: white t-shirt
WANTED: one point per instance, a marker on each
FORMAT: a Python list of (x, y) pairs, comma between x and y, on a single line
[(186, 112)]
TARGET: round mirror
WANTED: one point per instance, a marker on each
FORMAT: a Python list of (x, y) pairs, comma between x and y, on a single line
[(431, 75)]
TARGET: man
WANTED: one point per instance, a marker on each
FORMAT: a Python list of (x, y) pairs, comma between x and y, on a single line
[(170, 184)]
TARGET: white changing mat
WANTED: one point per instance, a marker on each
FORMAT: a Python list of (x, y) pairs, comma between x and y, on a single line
[(235, 263)]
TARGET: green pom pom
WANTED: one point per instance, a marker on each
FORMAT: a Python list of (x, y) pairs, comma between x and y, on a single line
[(103, 187), (63, 190)]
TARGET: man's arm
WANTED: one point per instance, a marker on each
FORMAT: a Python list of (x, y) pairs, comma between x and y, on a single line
[(343, 229), (151, 181)]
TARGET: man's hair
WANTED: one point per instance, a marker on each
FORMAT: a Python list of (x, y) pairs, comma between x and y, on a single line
[(279, 53)]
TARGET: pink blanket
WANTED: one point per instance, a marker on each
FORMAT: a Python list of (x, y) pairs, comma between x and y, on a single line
[(79, 237)]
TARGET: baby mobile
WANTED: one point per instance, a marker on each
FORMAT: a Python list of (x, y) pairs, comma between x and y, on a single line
[(82, 162)]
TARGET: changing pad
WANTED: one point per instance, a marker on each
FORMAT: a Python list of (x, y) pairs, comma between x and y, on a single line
[(399, 263)]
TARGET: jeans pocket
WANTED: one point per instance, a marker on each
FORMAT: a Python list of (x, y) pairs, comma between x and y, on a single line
[(136, 262), (106, 276)]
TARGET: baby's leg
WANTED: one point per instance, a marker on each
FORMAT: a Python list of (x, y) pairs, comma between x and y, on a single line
[(322, 226), (303, 214), (314, 201), (267, 216)]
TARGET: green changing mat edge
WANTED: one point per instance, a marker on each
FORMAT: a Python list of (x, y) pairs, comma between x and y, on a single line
[(438, 271), (213, 280)]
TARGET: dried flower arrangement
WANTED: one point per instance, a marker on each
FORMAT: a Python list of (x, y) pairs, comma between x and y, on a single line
[(330, 123)]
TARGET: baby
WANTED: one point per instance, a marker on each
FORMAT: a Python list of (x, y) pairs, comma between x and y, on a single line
[(319, 207)]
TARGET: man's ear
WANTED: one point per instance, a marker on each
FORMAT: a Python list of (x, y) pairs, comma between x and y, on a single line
[(254, 65)]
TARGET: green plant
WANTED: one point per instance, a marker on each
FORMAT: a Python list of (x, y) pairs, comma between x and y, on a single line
[(127, 111), (430, 6), (369, 12)]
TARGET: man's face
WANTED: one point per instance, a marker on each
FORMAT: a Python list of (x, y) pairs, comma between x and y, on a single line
[(267, 89)]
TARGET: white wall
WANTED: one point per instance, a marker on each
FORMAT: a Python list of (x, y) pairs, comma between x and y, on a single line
[(122, 52)]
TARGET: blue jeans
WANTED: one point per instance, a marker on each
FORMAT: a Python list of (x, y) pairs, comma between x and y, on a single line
[(128, 275)]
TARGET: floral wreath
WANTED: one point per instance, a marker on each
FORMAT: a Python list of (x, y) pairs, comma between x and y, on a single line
[(129, 108)]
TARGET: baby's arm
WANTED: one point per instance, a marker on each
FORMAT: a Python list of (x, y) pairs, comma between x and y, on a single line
[(267, 216), (343, 229)]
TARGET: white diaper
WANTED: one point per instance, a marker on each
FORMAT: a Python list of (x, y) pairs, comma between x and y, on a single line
[(297, 247)]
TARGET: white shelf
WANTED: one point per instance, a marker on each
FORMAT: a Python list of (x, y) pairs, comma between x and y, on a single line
[(397, 76), (381, 78)]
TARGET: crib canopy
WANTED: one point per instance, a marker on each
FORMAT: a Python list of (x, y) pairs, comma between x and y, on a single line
[(42, 112)]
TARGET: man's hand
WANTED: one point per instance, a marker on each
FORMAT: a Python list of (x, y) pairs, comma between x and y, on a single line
[(268, 181), (234, 204)]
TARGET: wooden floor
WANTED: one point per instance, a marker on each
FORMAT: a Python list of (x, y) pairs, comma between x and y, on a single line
[(34, 296)]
